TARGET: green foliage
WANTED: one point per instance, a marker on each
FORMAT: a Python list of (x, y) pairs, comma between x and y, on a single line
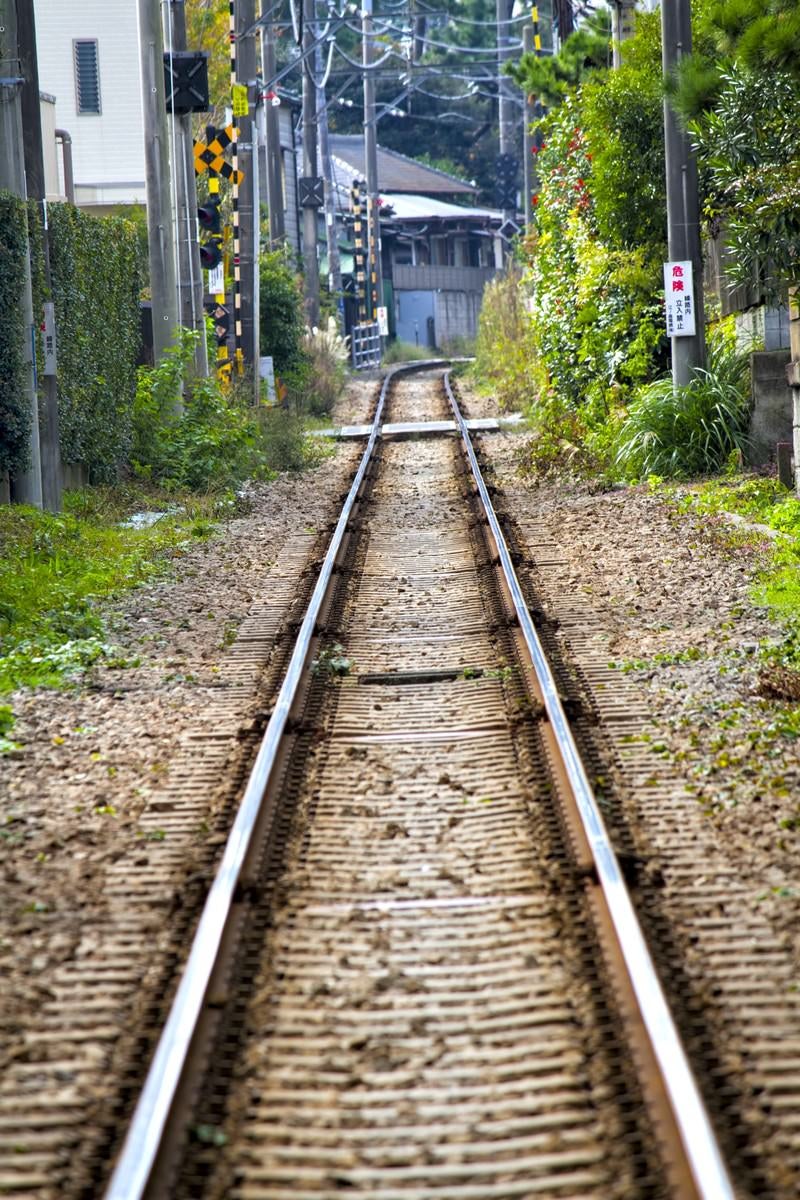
[(597, 323), (7, 719), (621, 114), (14, 408), (553, 77), (96, 285), (53, 572), (747, 146), (505, 354), (284, 445), (282, 316), (691, 430), (400, 352), (206, 440)]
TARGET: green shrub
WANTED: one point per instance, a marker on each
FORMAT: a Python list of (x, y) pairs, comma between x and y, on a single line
[(400, 352), (282, 316), (14, 408), (690, 430), (211, 444), (284, 444)]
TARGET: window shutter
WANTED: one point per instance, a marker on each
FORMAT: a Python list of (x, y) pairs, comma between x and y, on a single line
[(87, 76)]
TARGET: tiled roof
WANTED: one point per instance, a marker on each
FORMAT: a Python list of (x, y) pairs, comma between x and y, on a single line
[(396, 172)]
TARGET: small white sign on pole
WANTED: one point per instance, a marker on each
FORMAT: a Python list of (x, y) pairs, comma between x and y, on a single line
[(383, 321), (216, 280), (679, 299), (266, 371), (49, 338)]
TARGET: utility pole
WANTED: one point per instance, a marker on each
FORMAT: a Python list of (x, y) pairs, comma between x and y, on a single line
[(528, 170), (334, 261), (508, 161), (27, 485), (310, 170), (190, 274), (683, 205), (371, 162), (273, 189), (621, 27), (161, 245), (249, 217), (50, 445)]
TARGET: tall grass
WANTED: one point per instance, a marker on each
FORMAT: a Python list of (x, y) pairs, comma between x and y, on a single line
[(505, 358), (690, 430)]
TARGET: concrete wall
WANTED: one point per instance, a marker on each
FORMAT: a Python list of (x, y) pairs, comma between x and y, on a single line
[(108, 148), (772, 414), (456, 315)]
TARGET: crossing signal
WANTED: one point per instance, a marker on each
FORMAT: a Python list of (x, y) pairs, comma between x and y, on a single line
[(208, 214), (210, 221), (186, 79), (211, 254)]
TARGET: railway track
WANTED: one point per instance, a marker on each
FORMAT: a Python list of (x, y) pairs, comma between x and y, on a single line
[(418, 974)]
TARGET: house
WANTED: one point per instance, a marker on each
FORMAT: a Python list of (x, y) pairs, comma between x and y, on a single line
[(89, 61), (437, 249)]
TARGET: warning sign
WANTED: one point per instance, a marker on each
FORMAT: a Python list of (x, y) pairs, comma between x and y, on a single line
[(241, 104), (679, 299)]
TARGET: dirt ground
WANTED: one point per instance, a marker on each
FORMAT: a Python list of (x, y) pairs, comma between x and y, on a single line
[(71, 798), (673, 593)]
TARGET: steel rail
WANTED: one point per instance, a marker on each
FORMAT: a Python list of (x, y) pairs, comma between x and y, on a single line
[(145, 1133), (699, 1142)]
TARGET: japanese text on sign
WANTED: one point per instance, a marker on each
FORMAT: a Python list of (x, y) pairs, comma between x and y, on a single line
[(679, 299)]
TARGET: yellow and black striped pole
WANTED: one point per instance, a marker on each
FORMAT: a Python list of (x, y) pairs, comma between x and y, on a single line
[(238, 357), (359, 261)]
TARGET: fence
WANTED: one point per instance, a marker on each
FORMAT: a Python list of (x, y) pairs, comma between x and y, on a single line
[(365, 343)]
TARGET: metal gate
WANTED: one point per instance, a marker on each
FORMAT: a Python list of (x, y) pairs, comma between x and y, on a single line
[(365, 343)]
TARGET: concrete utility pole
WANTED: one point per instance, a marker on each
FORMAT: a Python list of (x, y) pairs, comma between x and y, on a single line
[(50, 445), (190, 274), (529, 179), (26, 487), (505, 93), (161, 244), (249, 217), (310, 170), (621, 27), (683, 205), (273, 189), (334, 261), (371, 164)]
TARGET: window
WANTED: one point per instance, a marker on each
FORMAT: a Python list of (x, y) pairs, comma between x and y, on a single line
[(87, 76)]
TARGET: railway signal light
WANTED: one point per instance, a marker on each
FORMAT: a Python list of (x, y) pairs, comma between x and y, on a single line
[(208, 214), (210, 221), (506, 181)]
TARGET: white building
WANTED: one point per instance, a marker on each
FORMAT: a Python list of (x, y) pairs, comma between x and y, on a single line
[(89, 61)]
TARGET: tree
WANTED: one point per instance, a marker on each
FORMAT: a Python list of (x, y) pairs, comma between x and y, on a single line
[(550, 79)]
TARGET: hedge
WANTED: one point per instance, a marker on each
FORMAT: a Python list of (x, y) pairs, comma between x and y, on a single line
[(14, 410), (96, 283)]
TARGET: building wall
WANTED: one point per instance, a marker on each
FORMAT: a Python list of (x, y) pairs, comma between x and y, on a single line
[(52, 179), (456, 316), (108, 148)]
